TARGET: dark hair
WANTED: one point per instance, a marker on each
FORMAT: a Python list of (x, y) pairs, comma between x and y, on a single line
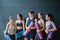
[(41, 13), (32, 12), (51, 17), (20, 15)]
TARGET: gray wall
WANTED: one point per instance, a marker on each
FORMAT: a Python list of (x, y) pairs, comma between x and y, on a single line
[(14, 7)]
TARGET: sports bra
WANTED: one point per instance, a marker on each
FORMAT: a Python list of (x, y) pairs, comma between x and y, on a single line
[(19, 23)]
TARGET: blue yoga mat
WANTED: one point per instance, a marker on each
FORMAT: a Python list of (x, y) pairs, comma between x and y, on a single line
[(19, 34), (7, 36)]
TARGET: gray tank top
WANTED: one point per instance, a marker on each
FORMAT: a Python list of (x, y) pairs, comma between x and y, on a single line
[(11, 30), (49, 25)]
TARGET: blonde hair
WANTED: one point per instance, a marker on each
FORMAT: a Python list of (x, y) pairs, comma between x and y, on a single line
[(11, 17)]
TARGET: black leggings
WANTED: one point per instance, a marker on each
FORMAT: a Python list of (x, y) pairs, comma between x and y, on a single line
[(12, 37), (20, 38)]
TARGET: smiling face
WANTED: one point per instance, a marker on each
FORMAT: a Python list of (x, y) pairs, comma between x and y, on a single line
[(47, 17), (18, 17), (30, 14), (40, 16), (11, 19)]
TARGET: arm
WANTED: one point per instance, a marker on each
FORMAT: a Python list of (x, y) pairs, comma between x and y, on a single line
[(33, 27), (23, 25), (7, 26), (30, 26), (16, 23), (54, 28), (26, 23)]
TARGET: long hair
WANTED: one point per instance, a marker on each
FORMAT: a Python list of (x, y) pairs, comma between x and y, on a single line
[(20, 15), (51, 17), (41, 14)]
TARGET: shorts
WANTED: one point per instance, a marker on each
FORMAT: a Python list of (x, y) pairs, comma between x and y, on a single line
[(31, 34)]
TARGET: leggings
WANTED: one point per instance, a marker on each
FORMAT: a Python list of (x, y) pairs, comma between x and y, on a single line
[(12, 37), (20, 38)]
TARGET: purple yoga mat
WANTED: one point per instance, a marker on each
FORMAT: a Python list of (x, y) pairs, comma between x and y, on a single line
[(26, 32), (38, 28), (50, 35)]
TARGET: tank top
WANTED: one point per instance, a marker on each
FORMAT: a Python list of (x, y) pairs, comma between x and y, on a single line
[(49, 25), (11, 30), (18, 23), (29, 21), (40, 21)]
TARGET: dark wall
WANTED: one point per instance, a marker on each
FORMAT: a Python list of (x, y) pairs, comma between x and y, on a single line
[(14, 7)]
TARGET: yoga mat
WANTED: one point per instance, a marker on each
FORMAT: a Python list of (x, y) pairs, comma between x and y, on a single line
[(7, 35), (26, 32), (19, 34), (38, 27)]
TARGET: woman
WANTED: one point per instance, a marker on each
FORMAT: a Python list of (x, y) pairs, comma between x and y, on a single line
[(39, 25), (19, 24), (10, 29), (50, 26)]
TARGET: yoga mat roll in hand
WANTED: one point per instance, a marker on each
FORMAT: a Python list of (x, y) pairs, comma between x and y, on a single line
[(26, 32), (6, 35), (38, 27)]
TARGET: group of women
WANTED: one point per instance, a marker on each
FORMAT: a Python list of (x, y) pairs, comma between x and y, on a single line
[(31, 27)]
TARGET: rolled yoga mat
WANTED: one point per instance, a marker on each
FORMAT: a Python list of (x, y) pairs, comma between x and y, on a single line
[(38, 27), (19, 34), (26, 32), (50, 34), (7, 35)]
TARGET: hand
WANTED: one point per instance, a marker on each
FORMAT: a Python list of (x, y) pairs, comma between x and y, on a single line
[(38, 30), (36, 20), (46, 31), (27, 28), (4, 35)]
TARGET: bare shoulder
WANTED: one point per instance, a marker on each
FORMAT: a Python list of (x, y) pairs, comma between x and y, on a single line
[(42, 20), (8, 23), (22, 21)]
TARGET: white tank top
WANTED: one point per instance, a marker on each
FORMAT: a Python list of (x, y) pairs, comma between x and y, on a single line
[(40, 21)]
